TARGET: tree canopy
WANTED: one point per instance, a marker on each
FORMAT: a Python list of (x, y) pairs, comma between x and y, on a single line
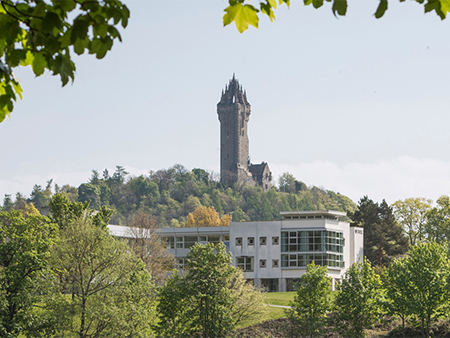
[(244, 13), (42, 34)]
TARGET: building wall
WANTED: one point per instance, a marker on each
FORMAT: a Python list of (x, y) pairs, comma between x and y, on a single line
[(270, 242)]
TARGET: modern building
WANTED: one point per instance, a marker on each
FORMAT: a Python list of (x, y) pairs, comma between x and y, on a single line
[(234, 113), (275, 254)]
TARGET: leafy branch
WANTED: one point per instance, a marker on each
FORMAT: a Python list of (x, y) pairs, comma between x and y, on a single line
[(244, 14)]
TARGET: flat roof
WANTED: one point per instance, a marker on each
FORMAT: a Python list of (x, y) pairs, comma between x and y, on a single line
[(314, 213)]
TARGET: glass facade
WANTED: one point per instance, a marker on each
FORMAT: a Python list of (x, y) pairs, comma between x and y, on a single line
[(300, 248), (186, 242)]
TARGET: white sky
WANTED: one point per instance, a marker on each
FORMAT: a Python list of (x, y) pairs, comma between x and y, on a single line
[(355, 105)]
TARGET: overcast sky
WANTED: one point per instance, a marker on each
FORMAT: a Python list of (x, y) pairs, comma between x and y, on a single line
[(355, 105)]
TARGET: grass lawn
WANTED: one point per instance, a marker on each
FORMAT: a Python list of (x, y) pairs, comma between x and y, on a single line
[(281, 298)]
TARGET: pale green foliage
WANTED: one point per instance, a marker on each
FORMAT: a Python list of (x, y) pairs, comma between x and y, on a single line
[(244, 14), (247, 301), (111, 293), (358, 302), (438, 221), (395, 279), (411, 213), (25, 245), (211, 297), (426, 289), (41, 34), (311, 303)]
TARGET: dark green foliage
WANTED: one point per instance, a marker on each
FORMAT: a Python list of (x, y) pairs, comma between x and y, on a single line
[(171, 194), (7, 203), (383, 236)]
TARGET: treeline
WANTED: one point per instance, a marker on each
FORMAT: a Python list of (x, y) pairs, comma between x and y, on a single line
[(171, 194), (391, 230)]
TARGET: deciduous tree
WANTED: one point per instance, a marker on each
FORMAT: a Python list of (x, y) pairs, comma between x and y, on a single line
[(358, 303), (437, 227), (206, 217), (309, 308), (427, 285), (111, 293), (25, 246), (411, 213), (209, 299), (148, 244)]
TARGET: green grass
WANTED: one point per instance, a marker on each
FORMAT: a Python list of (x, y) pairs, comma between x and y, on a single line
[(282, 298), (279, 298)]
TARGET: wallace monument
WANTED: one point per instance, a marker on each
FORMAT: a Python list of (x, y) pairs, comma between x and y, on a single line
[(235, 167)]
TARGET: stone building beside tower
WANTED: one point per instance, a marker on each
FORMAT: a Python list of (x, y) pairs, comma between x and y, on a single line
[(234, 113)]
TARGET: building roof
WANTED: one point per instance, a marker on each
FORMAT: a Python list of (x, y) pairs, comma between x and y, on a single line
[(313, 214)]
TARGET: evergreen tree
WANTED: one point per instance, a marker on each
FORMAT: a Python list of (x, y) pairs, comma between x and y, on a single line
[(383, 236)]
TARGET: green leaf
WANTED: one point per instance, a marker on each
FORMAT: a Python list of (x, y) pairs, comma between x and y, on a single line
[(307, 2), (382, 7), (15, 57), (445, 7), (17, 88), (79, 46), (125, 16), (66, 5), (242, 15), (272, 3), (79, 28), (51, 21), (339, 6), (435, 5), (39, 64), (317, 3), (267, 9), (28, 59)]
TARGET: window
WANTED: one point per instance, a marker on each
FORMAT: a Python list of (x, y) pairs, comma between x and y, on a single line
[(251, 241), (275, 240), (262, 263), (170, 243), (312, 241), (180, 263), (214, 239), (238, 240), (180, 243), (245, 263), (262, 240), (275, 263), (189, 241)]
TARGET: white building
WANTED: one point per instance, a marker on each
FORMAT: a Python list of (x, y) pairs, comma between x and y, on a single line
[(275, 254)]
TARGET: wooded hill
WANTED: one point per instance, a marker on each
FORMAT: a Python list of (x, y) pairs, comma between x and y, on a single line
[(171, 194)]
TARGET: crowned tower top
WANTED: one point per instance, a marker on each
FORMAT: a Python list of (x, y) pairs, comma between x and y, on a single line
[(233, 93)]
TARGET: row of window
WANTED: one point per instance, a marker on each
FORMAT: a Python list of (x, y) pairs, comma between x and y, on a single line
[(246, 263), (289, 260), (302, 260), (304, 241), (262, 241), (185, 242)]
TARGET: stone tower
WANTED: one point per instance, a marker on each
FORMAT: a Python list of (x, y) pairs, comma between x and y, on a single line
[(234, 113)]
